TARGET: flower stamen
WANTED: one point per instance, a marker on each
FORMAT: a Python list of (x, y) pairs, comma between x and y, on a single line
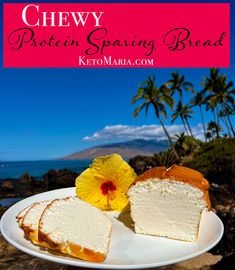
[(107, 187)]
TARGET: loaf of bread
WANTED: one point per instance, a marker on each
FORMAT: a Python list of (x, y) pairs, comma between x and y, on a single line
[(169, 202)]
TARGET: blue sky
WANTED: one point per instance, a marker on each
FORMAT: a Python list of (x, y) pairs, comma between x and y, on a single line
[(46, 113)]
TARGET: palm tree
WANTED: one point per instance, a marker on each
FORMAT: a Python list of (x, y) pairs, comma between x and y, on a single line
[(211, 107), (214, 129), (179, 138), (184, 112), (199, 100), (166, 158), (179, 113), (180, 143), (210, 84), (222, 115), (228, 110), (158, 98), (178, 84), (226, 99), (220, 94), (223, 96), (186, 145), (208, 135)]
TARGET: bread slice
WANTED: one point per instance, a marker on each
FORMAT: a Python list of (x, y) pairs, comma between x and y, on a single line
[(169, 202), (29, 222), (74, 227), (21, 215)]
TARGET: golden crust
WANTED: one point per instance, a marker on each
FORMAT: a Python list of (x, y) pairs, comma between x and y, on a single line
[(84, 253), (156, 172), (71, 249), (30, 233), (27, 229), (21, 215), (179, 173)]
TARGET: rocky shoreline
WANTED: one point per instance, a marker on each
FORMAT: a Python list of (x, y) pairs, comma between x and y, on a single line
[(28, 185), (220, 257)]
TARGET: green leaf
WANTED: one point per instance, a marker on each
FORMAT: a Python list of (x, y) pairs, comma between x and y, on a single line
[(138, 109)]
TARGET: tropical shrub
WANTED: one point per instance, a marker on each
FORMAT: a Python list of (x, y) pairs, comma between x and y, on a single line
[(186, 145), (166, 158), (142, 163), (216, 160)]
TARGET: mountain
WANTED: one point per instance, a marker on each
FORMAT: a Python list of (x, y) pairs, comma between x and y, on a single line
[(127, 149)]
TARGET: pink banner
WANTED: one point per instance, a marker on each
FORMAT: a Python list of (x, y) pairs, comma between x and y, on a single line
[(116, 35)]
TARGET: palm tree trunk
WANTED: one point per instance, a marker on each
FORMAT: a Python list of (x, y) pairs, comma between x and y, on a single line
[(217, 122), (228, 118), (213, 111), (231, 126), (189, 127), (217, 115), (168, 137), (227, 126), (182, 119), (203, 123)]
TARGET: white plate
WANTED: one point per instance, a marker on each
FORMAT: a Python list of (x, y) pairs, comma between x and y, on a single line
[(127, 250)]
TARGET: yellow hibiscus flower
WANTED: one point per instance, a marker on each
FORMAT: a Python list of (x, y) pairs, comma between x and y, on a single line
[(105, 183)]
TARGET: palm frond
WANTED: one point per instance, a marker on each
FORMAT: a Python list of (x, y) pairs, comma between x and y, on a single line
[(189, 87), (164, 113), (168, 100), (229, 85), (147, 108), (174, 117), (138, 109)]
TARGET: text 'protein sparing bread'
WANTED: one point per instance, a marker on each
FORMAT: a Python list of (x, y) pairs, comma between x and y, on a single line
[(74, 227), (169, 202)]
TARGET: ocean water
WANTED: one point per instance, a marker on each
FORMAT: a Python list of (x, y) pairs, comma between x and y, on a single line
[(15, 169)]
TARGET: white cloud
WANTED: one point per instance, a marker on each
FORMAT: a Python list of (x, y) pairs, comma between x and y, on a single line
[(147, 132)]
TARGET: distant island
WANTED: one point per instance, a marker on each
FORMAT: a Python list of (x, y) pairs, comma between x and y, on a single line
[(126, 149)]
